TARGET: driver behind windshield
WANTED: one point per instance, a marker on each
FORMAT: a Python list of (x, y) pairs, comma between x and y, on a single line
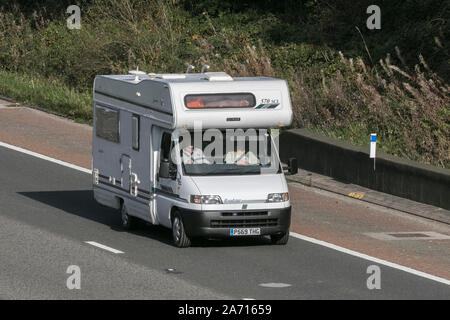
[(193, 155)]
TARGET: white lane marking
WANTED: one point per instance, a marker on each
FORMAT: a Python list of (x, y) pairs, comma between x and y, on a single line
[(293, 234), (370, 258), (275, 285), (41, 156), (99, 245), (248, 299), (173, 271)]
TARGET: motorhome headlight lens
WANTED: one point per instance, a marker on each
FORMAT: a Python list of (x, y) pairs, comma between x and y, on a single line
[(278, 197), (207, 199)]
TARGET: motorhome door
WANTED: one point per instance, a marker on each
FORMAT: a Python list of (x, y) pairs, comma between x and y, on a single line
[(125, 167), (166, 184)]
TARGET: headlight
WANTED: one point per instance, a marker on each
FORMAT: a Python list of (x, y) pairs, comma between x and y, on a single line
[(278, 197), (205, 199)]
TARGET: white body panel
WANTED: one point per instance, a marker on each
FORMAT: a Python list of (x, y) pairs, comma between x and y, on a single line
[(264, 89), (238, 190)]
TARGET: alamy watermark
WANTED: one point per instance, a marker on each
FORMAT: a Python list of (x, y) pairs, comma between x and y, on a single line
[(254, 149), (374, 20), (74, 280), (74, 20), (374, 280)]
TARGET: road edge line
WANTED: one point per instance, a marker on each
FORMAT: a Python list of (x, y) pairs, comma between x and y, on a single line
[(41, 156), (370, 258)]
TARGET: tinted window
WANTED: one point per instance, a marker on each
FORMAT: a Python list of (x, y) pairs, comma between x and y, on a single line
[(226, 100), (165, 145), (107, 124)]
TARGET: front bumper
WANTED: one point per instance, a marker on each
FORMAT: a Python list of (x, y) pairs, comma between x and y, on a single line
[(218, 223)]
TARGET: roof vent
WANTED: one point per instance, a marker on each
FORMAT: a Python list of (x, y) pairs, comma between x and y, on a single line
[(217, 76), (136, 73), (171, 76)]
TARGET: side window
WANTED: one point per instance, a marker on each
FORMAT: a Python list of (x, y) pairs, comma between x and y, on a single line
[(135, 128), (107, 124), (168, 168)]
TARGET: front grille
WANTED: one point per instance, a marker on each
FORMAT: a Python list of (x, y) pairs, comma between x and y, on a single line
[(244, 223), (244, 213)]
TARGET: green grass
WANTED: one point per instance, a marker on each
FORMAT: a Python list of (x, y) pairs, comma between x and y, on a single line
[(359, 135), (47, 95)]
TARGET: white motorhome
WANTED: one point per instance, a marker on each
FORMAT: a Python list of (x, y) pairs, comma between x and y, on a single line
[(193, 152)]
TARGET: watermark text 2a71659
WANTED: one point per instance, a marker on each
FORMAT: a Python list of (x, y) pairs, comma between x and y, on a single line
[(374, 20), (74, 20), (374, 280), (74, 280)]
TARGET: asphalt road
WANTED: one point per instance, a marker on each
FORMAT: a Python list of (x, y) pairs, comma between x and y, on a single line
[(47, 213)]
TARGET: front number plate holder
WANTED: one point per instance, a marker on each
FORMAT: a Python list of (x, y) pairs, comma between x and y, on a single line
[(245, 231)]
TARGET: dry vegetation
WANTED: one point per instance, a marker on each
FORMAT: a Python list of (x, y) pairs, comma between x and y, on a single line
[(409, 109), (407, 105)]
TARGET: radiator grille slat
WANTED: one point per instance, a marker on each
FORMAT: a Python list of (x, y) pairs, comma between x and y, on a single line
[(244, 213), (244, 223)]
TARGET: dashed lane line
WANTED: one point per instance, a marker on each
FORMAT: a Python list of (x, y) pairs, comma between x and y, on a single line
[(102, 246)]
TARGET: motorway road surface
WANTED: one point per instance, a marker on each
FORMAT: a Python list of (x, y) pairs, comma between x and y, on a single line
[(47, 213)]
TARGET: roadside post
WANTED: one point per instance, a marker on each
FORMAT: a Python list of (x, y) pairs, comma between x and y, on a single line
[(373, 147)]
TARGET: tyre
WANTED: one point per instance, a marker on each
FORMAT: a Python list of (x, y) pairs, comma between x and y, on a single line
[(280, 239), (180, 238), (128, 222)]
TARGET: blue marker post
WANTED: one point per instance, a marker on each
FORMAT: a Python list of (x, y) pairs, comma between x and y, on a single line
[(373, 147)]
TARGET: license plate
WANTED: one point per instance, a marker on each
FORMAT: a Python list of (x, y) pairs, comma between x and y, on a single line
[(245, 232)]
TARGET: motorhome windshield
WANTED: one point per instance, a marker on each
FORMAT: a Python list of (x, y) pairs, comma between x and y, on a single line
[(228, 152)]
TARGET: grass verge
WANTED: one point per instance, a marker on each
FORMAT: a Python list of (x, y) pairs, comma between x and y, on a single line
[(48, 95)]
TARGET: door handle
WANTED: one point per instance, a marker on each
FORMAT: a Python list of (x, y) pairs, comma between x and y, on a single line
[(134, 184)]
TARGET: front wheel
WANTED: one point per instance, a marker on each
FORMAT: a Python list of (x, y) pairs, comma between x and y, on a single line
[(180, 238), (281, 239)]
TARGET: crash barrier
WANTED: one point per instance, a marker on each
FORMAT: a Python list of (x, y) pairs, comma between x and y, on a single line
[(349, 163)]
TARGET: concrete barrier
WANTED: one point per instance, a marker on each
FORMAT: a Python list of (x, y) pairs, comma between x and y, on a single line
[(349, 163)]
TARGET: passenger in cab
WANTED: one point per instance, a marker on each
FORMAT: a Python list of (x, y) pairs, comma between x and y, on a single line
[(241, 158), (193, 155)]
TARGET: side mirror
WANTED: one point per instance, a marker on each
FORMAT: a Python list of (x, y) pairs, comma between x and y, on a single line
[(292, 166), (164, 169)]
